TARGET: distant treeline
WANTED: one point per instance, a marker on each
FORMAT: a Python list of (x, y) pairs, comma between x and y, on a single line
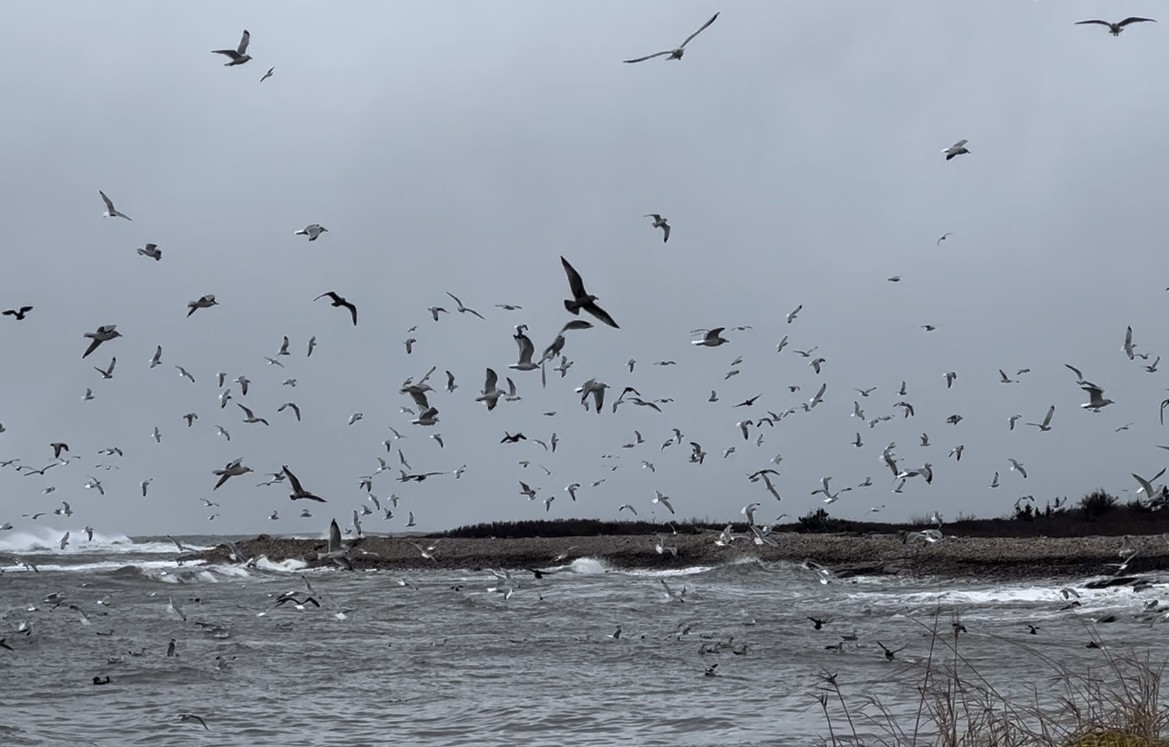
[(1097, 513)]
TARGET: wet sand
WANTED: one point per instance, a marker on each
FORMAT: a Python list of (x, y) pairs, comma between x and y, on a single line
[(1006, 558)]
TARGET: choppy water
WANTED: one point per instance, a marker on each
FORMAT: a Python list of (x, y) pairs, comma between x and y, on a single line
[(440, 658)]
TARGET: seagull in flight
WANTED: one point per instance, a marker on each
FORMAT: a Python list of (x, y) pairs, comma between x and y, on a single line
[(233, 468), (461, 308), (676, 54), (337, 300), (582, 299), (238, 55), (1116, 28), (712, 339), (660, 222), (944, 236), (298, 492), (312, 230), (202, 302), (268, 74), (955, 150), (18, 313), (111, 211), (1046, 424), (1096, 399), (104, 333), (152, 251)]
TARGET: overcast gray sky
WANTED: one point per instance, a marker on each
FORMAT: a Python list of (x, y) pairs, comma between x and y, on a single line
[(795, 150)]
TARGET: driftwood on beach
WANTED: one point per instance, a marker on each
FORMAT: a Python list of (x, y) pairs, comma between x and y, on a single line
[(846, 555)]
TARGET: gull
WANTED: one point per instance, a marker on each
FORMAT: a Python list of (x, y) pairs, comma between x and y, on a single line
[(526, 350), (660, 222), (312, 343), (58, 447), (697, 455), (1003, 378), (597, 389), (157, 435), (191, 417), (108, 372), (203, 302), (461, 308), (409, 343), (1096, 398), (791, 315), (434, 310), (426, 417), (243, 382), (944, 236), (249, 416), (233, 468), (663, 499), (185, 374), (189, 717), (806, 353), (355, 417), (491, 393), (956, 149), (1045, 425), (268, 74), (156, 359), (954, 419), (508, 306), (64, 541), (104, 333), (18, 313), (1152, 368), (928, 327), (1147, 485), (782, 344), (66, 511), (660, 547), (712, 339), (238, 55), (949, 376), (956, 452), (337, 300), (451, 386), (819, 396), (627, 507), (581, 299), (152, 251), (510, 439), (1128, 347), (571, 489), (1116, 28), (111, 212), (94, 484), (1017, 466), (676, 54), (88, 394), (749, 401), (290, 406), (527, 490), (816, 363), (298, 492)]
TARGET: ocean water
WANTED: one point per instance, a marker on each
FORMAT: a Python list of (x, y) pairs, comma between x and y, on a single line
[(467, 658)]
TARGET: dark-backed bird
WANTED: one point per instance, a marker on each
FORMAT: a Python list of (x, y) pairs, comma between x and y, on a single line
[(582, 299), (340, 301), (676, 54), (18, 313), (660, 222), (1116, 28), (299, 493)]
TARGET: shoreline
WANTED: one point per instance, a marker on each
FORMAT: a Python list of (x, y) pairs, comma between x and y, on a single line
[(846, 555)]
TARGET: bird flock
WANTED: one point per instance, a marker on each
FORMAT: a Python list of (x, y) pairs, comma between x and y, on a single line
[(749, 421)]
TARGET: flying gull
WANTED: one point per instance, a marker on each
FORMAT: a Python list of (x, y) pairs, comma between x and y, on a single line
[(582, 299), (337, 300), (676, 54), (660, 222), (104, 333), (312, 230), (955, 150), (238, 55), (111, 211), (1116, 28)]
